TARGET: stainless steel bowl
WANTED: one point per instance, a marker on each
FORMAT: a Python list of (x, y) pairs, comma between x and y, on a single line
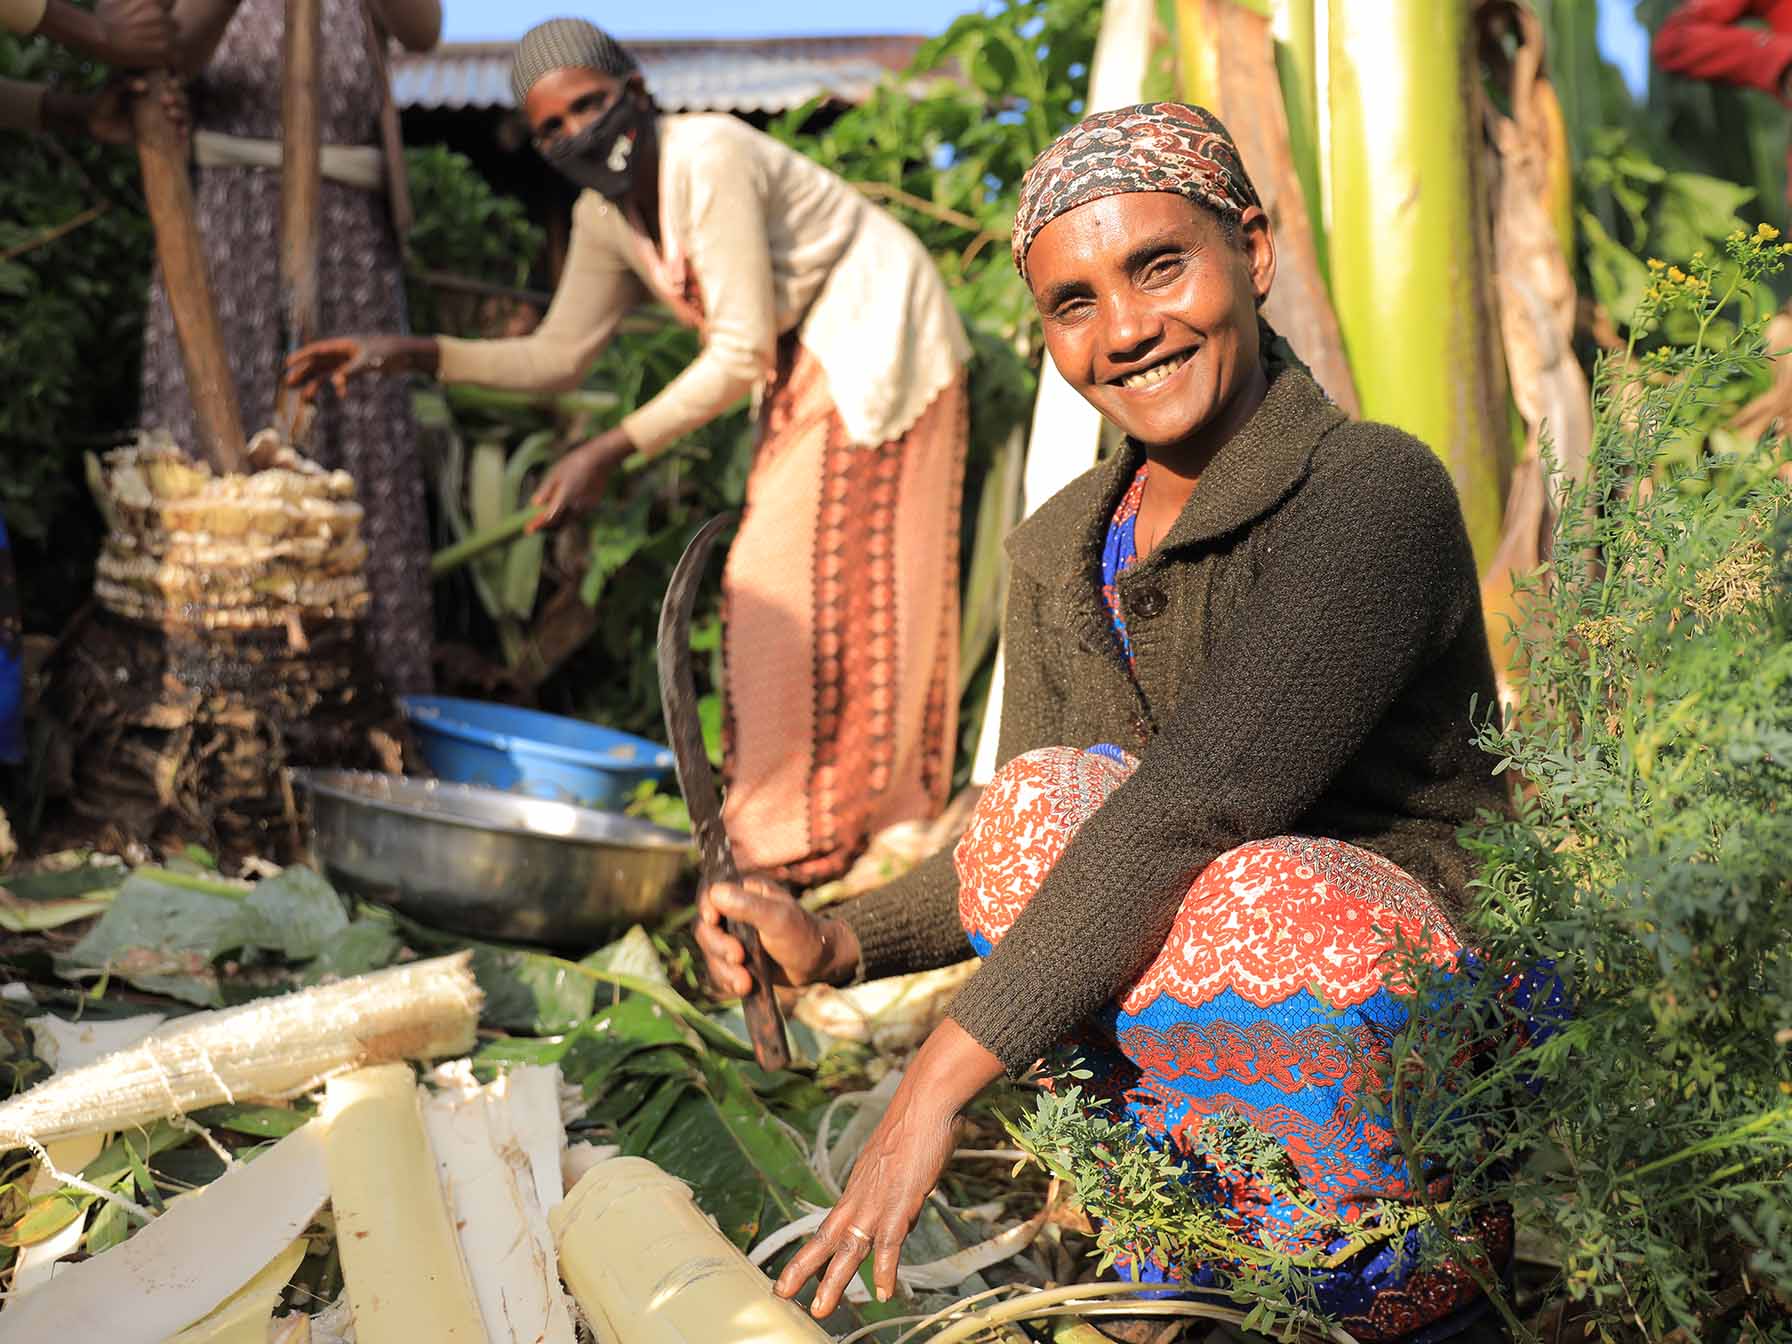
[(488, 863)]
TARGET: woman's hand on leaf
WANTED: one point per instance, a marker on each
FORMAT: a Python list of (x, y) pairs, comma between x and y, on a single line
[(577, 482)]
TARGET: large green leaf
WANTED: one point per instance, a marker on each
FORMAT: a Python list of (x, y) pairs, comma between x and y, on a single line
[(163, 935), (298, 913), (1695, 212), (84, 879), (742, 1165), (258, 1122), (1619, 279), (365, 945), (166, 931)]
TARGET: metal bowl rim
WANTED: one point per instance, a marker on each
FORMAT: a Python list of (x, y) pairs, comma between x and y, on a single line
[(329, 783)]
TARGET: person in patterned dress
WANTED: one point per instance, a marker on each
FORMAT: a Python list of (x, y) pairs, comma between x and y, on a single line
[(840, 594), (232, 48), (1236, 752)]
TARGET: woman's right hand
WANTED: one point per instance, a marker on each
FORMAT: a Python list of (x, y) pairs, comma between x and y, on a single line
[(804, 948), (344, 357), (106, 116)]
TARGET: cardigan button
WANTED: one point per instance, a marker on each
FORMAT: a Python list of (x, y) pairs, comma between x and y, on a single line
[(1149, 602)]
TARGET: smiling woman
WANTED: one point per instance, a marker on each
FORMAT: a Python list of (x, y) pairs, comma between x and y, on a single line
[(1242, 653)]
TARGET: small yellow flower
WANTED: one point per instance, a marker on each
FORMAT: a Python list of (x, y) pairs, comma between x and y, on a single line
[(1785, 248), (1677, 275), (1657, 264), (1766, 232)]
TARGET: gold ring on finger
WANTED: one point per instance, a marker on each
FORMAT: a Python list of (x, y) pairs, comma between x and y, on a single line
[(855, 1230)]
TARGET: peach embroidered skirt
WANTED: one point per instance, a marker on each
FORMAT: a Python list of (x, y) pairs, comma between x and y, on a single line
[(840, 629)]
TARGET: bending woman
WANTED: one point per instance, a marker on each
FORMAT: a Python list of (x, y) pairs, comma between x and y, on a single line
[(840, 614), (1237, 750)]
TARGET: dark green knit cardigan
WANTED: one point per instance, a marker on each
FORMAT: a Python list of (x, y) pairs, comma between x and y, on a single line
[(1307, 639)]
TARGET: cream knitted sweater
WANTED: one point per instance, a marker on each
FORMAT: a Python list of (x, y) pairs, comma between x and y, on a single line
[(775, 243)]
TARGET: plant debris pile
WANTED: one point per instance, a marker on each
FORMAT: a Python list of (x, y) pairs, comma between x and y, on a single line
[(648, 1070), (223, 643)]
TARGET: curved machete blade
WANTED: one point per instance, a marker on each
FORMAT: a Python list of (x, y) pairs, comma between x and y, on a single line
[(684, 731)]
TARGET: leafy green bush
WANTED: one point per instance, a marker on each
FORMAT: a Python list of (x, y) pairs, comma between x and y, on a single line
[(944, 150), (1650, 860), (74, 272), (464, 228)]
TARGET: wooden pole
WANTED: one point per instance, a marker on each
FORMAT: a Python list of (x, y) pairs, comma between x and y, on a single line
[(301, 187), (162, 151)]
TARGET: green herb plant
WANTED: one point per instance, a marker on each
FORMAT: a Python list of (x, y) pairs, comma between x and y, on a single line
[(1646, 1137), (1150, 1204)]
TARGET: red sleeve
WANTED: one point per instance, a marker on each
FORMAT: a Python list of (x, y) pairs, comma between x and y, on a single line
[(1702, 40)]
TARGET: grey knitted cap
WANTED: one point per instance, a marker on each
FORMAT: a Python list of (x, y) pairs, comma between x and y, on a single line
[(565, 44)]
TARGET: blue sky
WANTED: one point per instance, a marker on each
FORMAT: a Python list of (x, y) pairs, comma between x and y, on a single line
[(471, 20)]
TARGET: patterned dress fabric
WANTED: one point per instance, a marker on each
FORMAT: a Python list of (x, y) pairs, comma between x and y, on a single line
[(1272, 1002), (840, 628), (1120, 553), (1174, 147), (370, 433)]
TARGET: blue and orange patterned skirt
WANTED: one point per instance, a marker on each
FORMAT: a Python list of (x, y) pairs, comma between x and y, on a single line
[(1270, 1003)]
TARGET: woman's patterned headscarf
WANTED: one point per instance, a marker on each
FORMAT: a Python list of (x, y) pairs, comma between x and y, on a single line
[(566, 44), (1173, 147)]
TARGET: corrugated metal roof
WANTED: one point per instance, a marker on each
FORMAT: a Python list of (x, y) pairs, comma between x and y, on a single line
[(708, 75)]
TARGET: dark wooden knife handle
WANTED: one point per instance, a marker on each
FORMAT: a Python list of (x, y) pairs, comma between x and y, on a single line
[(765, 1020)]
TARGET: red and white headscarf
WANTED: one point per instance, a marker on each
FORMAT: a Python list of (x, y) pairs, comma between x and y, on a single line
[(1174, 147)]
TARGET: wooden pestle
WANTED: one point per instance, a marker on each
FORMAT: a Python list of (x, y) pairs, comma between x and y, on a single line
[(162, 151), (301, 190)]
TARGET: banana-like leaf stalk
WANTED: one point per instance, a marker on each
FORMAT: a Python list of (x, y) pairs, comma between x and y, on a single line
[(522, 561), (490, 504), (1410, 247), (401, 1260), (476, 544), (1537, 309), (997, 512)]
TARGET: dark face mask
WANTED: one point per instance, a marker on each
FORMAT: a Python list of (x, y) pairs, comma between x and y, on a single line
[(602, 155)]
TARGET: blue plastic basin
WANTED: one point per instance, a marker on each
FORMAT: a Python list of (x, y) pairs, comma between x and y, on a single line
[(526, 751)]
